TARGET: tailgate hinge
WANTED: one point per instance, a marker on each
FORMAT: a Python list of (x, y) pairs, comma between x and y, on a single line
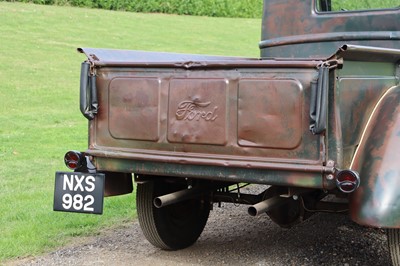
[(88, 92)]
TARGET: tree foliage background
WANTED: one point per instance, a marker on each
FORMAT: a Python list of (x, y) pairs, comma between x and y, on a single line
[(212, 8)]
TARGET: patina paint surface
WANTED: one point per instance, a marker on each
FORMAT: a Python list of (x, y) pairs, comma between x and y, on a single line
[(134, 101), (377, 201), (197, 112), (306, 178), (250, 115), (242, 114), (358, 89), (295, 29), (260, 120)]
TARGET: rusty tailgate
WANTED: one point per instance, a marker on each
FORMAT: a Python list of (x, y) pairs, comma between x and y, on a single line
[(221, 111)]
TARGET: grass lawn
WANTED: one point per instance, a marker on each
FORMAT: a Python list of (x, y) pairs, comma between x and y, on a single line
[(39, 105)]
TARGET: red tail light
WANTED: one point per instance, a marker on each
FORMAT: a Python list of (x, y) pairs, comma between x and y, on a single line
[(74, 159), (347, 181)]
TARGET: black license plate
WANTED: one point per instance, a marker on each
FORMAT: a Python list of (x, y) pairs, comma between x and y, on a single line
[(79, 192)]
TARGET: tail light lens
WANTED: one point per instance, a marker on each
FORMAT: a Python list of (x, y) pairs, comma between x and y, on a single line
[(347, 181), (74, 159)]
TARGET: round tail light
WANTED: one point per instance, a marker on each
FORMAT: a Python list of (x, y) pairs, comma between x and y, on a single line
[(74, 159), (347, 181)]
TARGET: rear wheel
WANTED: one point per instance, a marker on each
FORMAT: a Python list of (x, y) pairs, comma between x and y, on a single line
[(171, 227), (393, 235)]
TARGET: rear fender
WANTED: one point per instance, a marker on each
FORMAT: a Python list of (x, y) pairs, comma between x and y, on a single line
[(377, 201)]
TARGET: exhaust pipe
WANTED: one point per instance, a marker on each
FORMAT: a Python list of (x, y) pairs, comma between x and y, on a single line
[(176, 197), (265, 205)]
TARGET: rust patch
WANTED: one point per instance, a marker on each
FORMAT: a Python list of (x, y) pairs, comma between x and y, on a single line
[(270, 113), (134, 108), (197, 111)]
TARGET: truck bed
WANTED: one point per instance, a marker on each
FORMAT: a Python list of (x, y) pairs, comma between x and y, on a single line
[(189, 111)]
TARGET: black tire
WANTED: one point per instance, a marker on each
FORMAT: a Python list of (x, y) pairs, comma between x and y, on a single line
[(393, 236), (172, 227)]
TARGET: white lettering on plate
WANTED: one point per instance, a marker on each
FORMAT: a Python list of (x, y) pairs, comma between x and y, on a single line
[(79, 183), (89, 183), (68, 181), (75, 183), (77, 202)]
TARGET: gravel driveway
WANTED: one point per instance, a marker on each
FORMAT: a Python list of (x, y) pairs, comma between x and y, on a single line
[(232, 237)]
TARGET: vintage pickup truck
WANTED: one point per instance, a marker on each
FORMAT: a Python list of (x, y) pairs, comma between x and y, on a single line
[(315, 119)]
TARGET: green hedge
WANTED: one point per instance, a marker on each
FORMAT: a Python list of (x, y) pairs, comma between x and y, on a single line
[(212, 8)]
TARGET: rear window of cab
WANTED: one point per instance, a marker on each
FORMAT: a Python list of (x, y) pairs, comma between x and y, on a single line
[(355, 5)]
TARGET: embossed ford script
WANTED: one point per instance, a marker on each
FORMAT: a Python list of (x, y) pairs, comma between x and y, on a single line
[(194, 111)]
